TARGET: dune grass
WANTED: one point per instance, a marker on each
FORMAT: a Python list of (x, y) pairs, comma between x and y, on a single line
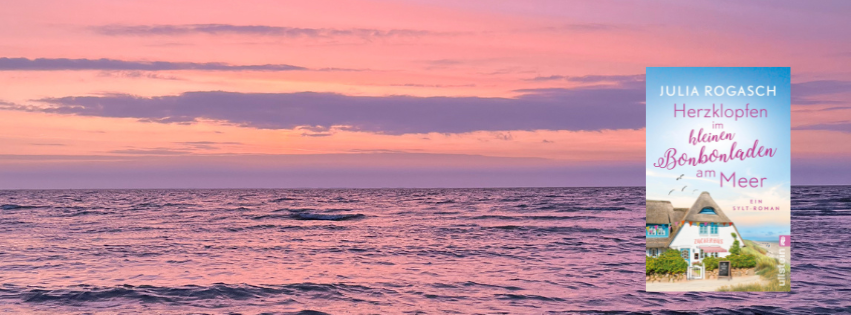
[(754, 248), (758, 252), (766, 267)]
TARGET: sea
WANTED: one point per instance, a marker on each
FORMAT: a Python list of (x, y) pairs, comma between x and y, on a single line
[(377, 251)]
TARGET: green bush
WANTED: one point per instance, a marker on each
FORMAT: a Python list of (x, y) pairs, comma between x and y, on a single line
[(670, 262), (742, 261), (711, 263), (748, 261), (650, 265)]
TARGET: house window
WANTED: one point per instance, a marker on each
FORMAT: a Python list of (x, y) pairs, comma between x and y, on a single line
[(684, 253), (696, 256), (703, 229), (714, 228), (660, 230), (707, 210), (702, 254)]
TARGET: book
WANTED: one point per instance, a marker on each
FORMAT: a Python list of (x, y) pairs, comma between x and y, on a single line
[(718, 179)]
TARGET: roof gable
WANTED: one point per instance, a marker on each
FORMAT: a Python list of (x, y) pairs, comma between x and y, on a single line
[(678, 214), (658, 212), (705, 201)]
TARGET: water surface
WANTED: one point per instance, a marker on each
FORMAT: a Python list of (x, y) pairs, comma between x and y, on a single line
[(417, 251)]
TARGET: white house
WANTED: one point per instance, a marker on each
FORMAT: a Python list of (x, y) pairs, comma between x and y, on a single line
[(660, 226), (698, 232)]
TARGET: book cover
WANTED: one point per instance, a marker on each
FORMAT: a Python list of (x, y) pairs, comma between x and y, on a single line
[(718, 179)]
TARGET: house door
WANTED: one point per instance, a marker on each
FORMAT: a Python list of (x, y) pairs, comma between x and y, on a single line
[(686, 255)]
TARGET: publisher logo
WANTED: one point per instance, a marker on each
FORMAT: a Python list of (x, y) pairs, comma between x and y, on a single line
[(785, 240)]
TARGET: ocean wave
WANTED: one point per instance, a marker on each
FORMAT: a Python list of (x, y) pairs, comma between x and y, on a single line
[(340, 200), (271, 216), (86, 212), (148, 205), (574, 208), (177, 204), (531, 217), (824, 213), (294, 209), (326, 217), (252, 227), (310, 216), (16, 207), (527, 297), (545, 229), (183, 294)]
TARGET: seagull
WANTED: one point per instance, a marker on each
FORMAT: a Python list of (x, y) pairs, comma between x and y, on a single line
[(695, 191), (672, 190), (681, 176), (684, 188)]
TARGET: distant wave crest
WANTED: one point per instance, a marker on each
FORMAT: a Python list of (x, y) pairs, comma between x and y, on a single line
[(326, 217), (15, 207)]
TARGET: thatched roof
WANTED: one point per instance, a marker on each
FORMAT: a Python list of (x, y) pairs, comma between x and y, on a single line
[(658, 212), (662, 212), (678, 214), (658, 242), (705, 201)]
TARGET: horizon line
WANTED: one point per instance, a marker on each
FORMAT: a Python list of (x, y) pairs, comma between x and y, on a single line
[(364, 188)]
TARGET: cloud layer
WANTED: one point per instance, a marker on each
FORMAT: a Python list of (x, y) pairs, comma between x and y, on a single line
[(48, 64), (813, 92), (366, 170), (634, 78), (264, 30), (586, 108), (841, 127)]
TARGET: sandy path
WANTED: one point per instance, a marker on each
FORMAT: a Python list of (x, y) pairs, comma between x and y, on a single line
[(701, 285)]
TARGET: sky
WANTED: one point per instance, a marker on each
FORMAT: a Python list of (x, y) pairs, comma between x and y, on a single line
[(256, 94)]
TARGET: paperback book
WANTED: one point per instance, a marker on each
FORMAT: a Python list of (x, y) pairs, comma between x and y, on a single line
[(718, 179)]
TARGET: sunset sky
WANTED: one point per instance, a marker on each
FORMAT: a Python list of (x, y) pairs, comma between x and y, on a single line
[(215, 94)]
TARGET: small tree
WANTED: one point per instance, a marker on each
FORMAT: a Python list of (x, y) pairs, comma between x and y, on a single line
[(735, 249)]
